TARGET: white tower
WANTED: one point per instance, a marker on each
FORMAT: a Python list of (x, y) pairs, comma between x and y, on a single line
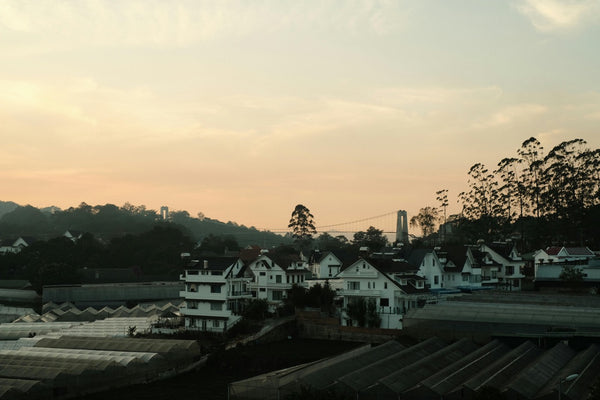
[(164, 212)]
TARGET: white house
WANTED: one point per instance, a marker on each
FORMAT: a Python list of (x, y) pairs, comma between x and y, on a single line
[(206, 295), (391, 284), (460, 269), (549, 264), (15, 245), (324, 265), (73, 235), (428, 266), (504, 265), (269, 281)]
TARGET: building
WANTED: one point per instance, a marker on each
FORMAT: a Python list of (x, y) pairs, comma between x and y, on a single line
[(501, 265), (206, 293), (392, 285), (549, 263), (460, 268)]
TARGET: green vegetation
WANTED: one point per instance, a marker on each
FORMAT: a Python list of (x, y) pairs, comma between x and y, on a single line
[(373, 238), (317, 296), (109, 221), (155, 253), (302, 225), (534, 198)]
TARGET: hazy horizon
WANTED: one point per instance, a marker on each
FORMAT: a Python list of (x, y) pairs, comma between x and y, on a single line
[(241, 110)]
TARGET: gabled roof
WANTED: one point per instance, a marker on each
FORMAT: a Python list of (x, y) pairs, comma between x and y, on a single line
[(502, 248), (455, 253), (318, 256), (212, 263), (579, 251), (393, 266), (553, 251), (416, 256), (250, 254)]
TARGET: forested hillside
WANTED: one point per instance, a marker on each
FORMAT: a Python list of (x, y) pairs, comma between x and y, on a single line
[(109, 221)]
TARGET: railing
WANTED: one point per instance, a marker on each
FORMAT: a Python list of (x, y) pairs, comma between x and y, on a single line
[(389, 310), (238, 293)]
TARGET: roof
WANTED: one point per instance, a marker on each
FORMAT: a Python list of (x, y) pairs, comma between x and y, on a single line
[(579, 251), (553, 251), (435, 369), (455, 253), (213, 263), (249, 254), (502, 248), (416, 256)]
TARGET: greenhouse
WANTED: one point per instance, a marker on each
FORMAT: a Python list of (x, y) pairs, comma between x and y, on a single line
[(435, 369), (68, 366)]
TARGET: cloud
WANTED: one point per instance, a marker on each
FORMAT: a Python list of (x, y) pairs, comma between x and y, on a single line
[(511, 114), (58, 25), (560, 15)]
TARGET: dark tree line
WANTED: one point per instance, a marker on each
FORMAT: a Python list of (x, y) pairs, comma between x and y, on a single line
[(542, 198), (109, 221), (156, 252)]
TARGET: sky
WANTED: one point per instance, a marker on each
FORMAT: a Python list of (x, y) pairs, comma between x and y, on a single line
[(243, 109)]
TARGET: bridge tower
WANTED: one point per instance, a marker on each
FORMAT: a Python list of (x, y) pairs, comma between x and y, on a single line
[(402, 227)]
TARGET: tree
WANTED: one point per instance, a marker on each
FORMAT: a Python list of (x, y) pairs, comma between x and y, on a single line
[(218, 244), (442, 197), (426, 219), (302, 224), (326, 242), (357, 310), (373, 318), (531, 153), (571, 275), (373, 238)]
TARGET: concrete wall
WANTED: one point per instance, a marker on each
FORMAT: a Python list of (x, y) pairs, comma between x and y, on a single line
[(111, 294), (312, 325)]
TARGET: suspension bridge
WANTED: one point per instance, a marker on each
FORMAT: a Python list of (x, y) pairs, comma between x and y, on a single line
[(394, 224)]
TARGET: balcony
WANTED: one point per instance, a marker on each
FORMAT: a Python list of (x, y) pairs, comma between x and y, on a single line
[(488, 279), (202, 295), (193, 278), (238, 294), (270, 285), (196, 312), (358, 292)]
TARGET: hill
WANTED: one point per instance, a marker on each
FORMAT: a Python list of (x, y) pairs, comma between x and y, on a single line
[(109, 221)]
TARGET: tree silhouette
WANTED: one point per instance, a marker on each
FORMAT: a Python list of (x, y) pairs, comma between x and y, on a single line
[(302, 224), (426, 219)]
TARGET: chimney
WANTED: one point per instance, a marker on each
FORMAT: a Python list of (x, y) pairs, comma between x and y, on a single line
[(205, 264)]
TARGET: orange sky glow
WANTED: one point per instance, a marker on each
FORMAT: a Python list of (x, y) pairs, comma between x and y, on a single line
[(242, 110)]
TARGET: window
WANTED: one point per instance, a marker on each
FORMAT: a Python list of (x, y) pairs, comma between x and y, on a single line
[(419, 284), (216, 323), (262, 273), (436, 280), (384, 302), (216, 306), (277, 295), (353, 285), (373, 285), (215, 288), (510, 270), (465, 278), (368, 285), (262, 289), (287, 279), (385, 285), (277, 278)]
